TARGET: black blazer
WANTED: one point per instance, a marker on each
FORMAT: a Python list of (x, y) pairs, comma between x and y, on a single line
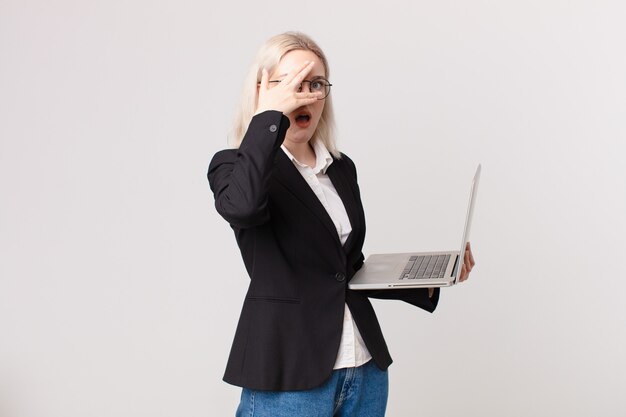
[(290, 326)]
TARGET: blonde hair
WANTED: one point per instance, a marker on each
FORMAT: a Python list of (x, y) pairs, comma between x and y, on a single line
[(268, 57)]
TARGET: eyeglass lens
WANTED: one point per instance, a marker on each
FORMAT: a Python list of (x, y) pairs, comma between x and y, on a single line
[(315, 86)]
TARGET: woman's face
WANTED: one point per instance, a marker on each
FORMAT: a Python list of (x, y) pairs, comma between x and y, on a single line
[(301, 127)]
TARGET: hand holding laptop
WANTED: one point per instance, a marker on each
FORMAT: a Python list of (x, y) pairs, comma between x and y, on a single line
[(468, 263), (420, 269)]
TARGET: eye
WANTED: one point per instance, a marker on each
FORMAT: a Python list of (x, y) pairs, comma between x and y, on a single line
[(318, 85)]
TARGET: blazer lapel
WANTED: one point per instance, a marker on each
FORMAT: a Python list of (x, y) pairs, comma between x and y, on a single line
[(345, 191), (290, 177)]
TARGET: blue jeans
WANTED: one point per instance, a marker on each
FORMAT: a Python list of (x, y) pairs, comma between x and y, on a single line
[(358, 392)]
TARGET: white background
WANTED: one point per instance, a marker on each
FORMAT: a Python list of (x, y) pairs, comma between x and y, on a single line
[(120, 286)]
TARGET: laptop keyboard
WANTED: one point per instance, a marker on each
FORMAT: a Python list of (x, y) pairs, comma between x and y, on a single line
[(425, 267)]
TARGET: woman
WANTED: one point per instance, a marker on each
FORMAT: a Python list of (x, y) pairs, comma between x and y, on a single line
[(305, 345)]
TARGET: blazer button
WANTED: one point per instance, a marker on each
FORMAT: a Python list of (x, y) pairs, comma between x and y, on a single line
[(273, 128), (340, 277)]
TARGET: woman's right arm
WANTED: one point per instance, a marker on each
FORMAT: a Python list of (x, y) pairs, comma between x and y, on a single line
[(239, 177)]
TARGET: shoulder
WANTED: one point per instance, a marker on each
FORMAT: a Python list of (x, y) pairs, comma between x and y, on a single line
[(348, 163)]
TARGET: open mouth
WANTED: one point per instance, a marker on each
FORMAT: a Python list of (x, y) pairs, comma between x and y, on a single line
[(303, 120)]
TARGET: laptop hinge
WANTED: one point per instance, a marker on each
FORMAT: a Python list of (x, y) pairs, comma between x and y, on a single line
[(454, 267)]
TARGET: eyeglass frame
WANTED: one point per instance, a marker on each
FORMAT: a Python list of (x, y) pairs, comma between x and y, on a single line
[(328, 84)]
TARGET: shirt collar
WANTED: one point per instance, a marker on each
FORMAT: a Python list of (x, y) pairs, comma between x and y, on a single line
[(323, 159)]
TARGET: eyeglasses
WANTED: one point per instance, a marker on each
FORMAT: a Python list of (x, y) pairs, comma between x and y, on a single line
[(315, 85)]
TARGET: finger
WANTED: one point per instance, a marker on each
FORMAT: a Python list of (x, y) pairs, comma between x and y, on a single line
[(467, 263), (469, 258), (264, 79), (316, 95), (305, 102), (301, 73), (304, 72), (471, 255), (292, 74), (463, 273), (304, 99)]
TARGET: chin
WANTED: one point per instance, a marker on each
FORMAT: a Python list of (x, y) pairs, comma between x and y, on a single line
[(301, 135)]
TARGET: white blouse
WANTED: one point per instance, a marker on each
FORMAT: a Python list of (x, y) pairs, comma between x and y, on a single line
[(352, 350)]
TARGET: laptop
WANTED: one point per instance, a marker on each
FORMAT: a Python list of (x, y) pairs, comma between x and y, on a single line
[(418, 269)]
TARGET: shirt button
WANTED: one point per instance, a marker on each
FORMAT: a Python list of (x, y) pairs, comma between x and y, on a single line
[(273, 128), (340, 277)]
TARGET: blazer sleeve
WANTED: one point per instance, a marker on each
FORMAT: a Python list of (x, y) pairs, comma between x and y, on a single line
[(239, 177), (414, 296)]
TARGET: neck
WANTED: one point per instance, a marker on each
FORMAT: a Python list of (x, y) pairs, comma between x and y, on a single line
[(303, 152)]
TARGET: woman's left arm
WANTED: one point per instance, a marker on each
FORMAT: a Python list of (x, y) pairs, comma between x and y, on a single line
[(425, 298)]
